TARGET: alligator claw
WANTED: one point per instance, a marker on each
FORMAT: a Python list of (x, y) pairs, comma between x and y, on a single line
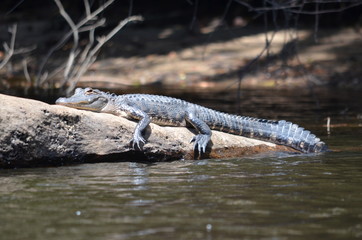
[(138, 141), (201, 141)]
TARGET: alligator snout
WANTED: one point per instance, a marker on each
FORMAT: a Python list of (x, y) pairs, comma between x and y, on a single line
[(60, 101)]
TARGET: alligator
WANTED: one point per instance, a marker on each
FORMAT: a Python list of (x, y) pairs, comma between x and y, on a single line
[(170, 111)]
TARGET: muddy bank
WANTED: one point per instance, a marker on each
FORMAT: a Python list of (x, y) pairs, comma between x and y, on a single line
[(34, 133)]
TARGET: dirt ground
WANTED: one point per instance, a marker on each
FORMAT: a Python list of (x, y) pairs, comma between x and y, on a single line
[(219, 59)]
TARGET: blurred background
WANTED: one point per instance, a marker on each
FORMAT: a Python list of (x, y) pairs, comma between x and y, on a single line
[(188, 45)]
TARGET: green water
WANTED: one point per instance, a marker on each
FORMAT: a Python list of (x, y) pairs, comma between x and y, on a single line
[(268, 196)]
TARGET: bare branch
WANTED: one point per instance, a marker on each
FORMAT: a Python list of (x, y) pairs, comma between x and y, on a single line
[(316, 23), (87, 7), (24, 50), (75, 38), (9, 50), (99, 23), (88, 47), (26, 72), (335, 10), (57, 71), (92, 55), (89, 17), (14, 7), (295, 6), (114, 31), (44, 76)]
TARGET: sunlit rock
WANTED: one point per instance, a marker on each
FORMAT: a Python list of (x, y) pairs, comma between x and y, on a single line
[(33, 133)]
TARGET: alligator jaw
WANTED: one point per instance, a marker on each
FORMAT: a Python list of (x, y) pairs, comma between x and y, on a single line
[(62, 101), (78, 105), (66, 102), (91, 101)]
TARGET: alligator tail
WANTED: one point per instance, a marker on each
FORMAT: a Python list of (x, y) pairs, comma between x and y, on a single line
[(279, 132)]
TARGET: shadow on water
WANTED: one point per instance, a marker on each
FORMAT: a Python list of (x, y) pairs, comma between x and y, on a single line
[(269, 196)]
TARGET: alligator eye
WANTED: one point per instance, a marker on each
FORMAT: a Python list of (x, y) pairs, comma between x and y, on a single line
[(89, 91)]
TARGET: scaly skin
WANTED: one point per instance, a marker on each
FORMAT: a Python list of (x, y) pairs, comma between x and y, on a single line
[(175, 112)]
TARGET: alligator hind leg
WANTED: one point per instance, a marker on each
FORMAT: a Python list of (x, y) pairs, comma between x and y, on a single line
[(202, 139), (138, 139)]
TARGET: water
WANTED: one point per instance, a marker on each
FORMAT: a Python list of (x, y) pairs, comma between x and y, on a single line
[(267, 196)]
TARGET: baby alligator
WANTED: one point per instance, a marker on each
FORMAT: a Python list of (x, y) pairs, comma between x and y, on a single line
[(175, 112)]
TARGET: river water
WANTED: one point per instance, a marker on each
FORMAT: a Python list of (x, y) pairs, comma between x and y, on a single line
[(266, 196)]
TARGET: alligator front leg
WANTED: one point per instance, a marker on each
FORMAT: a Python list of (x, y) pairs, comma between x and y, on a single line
[(202, 139), (144, 121)]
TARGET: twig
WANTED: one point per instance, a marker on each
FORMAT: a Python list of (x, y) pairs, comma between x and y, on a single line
[(87, 7), (9, 50), (92, 55), (26, 72), (104, 39), (194, 15), (14, 7), (92, 15), (291, 5), (328, 125), (316, 23), (88, 46), (99, 23), (75, 38)]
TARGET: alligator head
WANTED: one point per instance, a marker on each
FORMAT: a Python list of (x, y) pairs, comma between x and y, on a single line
[(86, 99)]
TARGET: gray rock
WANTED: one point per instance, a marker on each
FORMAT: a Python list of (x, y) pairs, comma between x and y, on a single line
[(33, 133)]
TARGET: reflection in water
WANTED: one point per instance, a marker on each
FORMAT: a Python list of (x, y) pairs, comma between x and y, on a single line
[(140, 176), (266, 196)]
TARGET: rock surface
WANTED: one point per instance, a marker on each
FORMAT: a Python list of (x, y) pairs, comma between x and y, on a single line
[(33, 133)]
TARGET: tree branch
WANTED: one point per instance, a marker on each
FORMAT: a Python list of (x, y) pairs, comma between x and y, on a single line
[(92, 54), (89, 17), (9, 50), (75, 33)]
